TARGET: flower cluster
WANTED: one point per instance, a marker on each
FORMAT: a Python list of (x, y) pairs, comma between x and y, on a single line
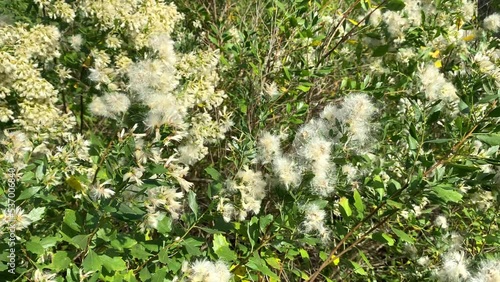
[(205, 271), (21, 49), (250, 188), (456, 267), (340, 128), (314, 222), (435, 85), (179, 91)]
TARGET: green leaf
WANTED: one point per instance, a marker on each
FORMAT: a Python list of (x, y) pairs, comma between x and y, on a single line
[(344, 203), (130, 276), (126, 212), (92, 262), (159, 276), (80, 241), (28, 193), (39, 172), (395, 5), (60, 261), (280, 6), (158, 169), (358, 268), (138, 251), (123, 242), (255, 262), (174, 265), (464, 168), (439, 141), (265, 221), (304, 254), (27, 176), (394, 204), (165, 225), (412, 142), (35, 247), (144, 274), (491, 139), (495, 112), (113, 264), (323, 256), (365, 259), (213, 173), (48, 242), (163, 256), (383, 238), (192, 246), (287, 73), (358, 204), (492, 239), (403, 236), (380, 51), (343, 84), (463, 107), (447, 195), (36, 214), (221, 248), (193, 205), (243, 109), (70, 220), (390, 241), (303, 88)]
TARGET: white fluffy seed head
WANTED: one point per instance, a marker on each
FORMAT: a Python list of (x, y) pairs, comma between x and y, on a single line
[(271, 90), (117, 102), (287, 171), (489, 271), (492, 22), (76, 42), (98, 107), (207, 271), (441, 222), (454, 267), (269, 147), (317, 148)]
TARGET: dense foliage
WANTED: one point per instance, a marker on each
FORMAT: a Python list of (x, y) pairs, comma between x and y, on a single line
[(262, 140)]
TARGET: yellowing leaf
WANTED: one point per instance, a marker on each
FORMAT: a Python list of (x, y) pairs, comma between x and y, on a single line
[(316, 43), (88, 62), (438, 64), (353, 22), (274, 263), (74, 183), (335, 260), (469, 37), (239, 272), (435, 54)]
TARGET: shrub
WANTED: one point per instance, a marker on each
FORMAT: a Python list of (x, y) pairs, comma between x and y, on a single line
[(303, 140)]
